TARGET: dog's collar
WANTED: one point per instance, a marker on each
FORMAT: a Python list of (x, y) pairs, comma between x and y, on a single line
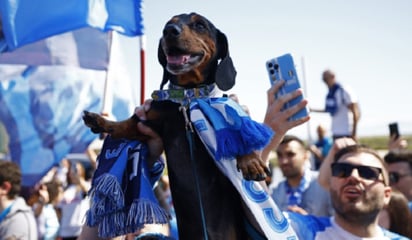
[(184, 96)]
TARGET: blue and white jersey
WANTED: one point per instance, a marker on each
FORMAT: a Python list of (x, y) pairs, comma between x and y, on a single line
[(310, 227)]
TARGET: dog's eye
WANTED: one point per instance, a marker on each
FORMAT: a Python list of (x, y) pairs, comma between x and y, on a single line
[(199, 26)]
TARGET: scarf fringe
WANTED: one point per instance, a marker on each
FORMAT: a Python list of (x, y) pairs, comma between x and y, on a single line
[(113, 224), (249, 137), (107, 194), (144, 211)]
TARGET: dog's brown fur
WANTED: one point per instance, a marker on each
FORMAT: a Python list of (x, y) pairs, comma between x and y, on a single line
[(193, 53)]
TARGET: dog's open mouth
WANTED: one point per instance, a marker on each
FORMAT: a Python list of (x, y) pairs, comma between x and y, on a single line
[(181, 63)]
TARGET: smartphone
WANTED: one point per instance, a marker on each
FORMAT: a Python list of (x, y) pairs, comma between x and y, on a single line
[(394, 130), (283, 67)]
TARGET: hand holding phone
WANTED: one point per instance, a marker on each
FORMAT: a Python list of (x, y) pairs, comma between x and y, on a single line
[(394, 130), (283, 68)]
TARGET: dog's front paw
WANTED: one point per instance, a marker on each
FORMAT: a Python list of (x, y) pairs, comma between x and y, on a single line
[(252, 167), (94, 121)]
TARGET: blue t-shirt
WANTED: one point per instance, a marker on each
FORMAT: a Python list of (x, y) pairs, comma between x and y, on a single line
[(310, 227)]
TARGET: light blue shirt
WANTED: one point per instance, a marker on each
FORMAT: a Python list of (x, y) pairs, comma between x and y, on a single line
[(314, 199)]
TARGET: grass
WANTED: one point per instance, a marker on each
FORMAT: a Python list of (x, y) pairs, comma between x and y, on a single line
[(381, 142)]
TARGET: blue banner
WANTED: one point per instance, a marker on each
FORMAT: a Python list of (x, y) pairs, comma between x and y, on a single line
[(41, 109), (85, 48), (27, 21)]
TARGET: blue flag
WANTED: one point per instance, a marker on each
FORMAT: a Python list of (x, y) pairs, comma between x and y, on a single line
[(41, 109), (27, 21), (85, 48)]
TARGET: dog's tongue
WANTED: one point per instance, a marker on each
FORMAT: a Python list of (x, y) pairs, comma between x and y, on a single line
[(180, 59)]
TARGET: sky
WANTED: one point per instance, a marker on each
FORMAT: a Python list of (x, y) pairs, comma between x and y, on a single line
[(366, 43)]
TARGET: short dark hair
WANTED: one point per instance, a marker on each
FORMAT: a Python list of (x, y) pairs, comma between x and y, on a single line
[(10, 172), (399, 156), (361, 148), (290, 138)]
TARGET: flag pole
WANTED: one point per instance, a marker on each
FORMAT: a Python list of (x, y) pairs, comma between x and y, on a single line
[(142, 67), (105, 106), (305, 92)]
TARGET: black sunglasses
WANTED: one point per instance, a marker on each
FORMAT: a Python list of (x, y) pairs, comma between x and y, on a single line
[(343, 170), (394, 177)]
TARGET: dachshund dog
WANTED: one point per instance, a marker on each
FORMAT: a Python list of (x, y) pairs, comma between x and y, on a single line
[(193, 53)]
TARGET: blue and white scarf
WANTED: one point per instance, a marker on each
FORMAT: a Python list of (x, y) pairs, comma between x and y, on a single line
[(295, 194), (122, 198), (227, 131), (332, 104)]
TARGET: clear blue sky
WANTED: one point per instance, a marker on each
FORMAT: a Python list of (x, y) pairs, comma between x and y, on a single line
[(367, 43)]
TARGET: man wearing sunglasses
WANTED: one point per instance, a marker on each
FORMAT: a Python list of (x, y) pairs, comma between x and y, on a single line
[(359, 188), (400, 172)]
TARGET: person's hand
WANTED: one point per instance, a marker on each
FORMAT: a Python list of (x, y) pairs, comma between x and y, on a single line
[(155, 143), (277, 119), (395, 144), (341, 143)]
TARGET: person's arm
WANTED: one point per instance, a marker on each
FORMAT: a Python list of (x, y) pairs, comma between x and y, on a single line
[(317, 110), (43, 199), (277, 120), (396, 144), (316, 152), (155, 143), (92, 155), (325, 171), (354, 108)]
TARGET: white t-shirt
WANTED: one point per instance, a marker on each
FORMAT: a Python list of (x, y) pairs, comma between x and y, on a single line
[(73, 207), (342, 120), (311, 227)]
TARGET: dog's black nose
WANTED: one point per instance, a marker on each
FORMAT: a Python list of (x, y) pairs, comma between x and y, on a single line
[(172, 30)]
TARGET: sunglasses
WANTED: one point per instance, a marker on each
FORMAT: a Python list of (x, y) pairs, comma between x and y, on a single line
[(394, 177), (343, 170)]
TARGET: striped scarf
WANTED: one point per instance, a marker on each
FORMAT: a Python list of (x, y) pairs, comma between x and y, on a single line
[(227, 131), (122, 198)]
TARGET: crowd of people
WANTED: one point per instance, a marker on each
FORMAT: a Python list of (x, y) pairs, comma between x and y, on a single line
[(334, 188)]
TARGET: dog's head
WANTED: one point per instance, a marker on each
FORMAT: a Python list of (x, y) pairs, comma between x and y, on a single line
[(193, 52)]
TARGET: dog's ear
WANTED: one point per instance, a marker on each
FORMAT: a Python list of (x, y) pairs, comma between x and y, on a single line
[(225, 72), (162, 60)]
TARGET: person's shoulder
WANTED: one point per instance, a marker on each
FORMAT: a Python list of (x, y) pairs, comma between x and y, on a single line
[(278, 186), (392, 235), (20, 205)]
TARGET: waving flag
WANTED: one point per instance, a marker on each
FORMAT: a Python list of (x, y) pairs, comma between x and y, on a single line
[(27, 21), (85, 48), (41, 109)]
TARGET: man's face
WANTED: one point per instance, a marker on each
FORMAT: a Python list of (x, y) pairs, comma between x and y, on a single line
[(292, 157), (358, 196), (402, 178)]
